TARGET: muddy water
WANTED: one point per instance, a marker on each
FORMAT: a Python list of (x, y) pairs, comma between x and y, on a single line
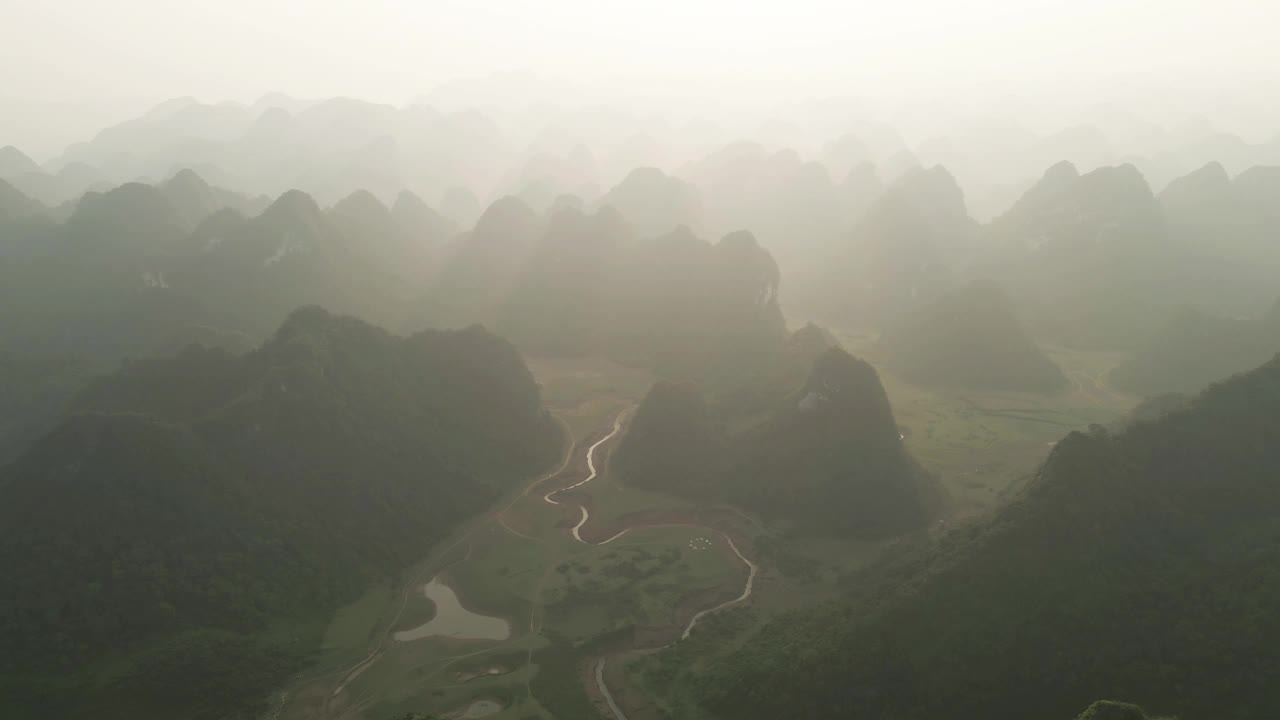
[(454, 621)]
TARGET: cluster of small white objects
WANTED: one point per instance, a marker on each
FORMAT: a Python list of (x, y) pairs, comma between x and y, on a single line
[(700, 543)]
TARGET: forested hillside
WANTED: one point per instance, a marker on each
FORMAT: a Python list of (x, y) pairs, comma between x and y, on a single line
[(1131, 565), (191, 502), (1194, 349), (970, 338), (1087, 256), (828, 458)]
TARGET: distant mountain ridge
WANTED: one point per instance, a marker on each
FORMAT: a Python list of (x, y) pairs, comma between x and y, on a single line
[(970, 338), (1194, 349)]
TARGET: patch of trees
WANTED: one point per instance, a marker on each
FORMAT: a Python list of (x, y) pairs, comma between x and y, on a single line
[(197, 499), (828, 457), (1139, 564), (1194, 349), (970, 338)]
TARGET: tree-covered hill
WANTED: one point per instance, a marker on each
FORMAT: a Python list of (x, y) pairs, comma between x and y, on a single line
[(1194, 349), (970, 338), (673, 443), (909, 246), (827, 457), (655, 203), (483, 266), (1088, 255), (1139, 565), (189, 502), (831, 458), (1227, 227)]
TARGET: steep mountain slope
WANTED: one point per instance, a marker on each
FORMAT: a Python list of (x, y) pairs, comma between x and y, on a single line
[(1138, 565), (354, 259), (908, 248), (572, 282), (794, 207), (654, 202), (970, 338), (1087, 255), (560, 303), (193, 501), (34, 392), (97, 285), (1227, 228), (828, 458), (1194, 349), (673, 443), (16, 206), (484, 266), (831, 459), (194, 199), (14, 162), (690, 308)]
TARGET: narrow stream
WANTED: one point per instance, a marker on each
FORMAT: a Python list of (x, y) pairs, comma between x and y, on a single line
[(746, 591), (586, 515), (604, 690)]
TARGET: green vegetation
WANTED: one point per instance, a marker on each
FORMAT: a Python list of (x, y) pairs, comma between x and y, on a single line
[(829, 457), (34, 392), (1141, 558), (560, 620), (672, 443), (1109, 710), (1086, 256), (971, 338), (637, 581), (832, 459), (194, 501), (353, 625), (1195, 349), (237, 530), (902, 251), (558, 684)]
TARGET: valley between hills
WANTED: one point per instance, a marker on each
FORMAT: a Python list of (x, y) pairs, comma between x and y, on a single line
[(587, 578)]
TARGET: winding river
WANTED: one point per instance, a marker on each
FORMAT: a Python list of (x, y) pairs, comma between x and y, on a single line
[(752, 569), (455, 621)]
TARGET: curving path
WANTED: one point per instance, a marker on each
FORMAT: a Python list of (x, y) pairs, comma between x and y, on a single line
[(746, 590), (375, 653), (752, 569)]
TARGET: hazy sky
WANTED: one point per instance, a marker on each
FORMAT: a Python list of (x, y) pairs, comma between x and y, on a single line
[(69, 67), (392, 50)]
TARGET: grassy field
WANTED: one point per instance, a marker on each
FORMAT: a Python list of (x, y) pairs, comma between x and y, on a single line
[(983, 444), (521, 564), (563, 599), (635, 581)]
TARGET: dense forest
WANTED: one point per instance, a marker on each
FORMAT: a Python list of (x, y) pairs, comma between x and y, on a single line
[(1194, 349), (189, 502), (827, 457), (1139, 558), (970, 338)]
